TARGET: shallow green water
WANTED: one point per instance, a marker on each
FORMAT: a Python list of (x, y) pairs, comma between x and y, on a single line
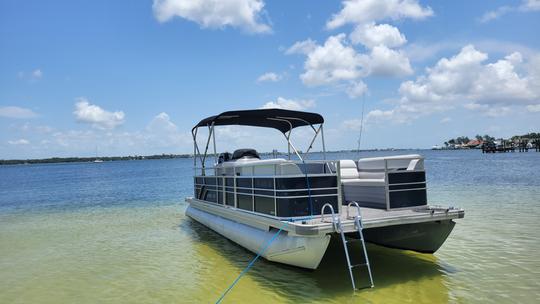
[(118, 234)]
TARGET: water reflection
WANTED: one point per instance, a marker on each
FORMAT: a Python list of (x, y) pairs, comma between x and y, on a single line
[(408, 275)]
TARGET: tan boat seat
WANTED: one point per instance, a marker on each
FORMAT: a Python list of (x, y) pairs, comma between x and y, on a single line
[(348, 169), (351, 177)]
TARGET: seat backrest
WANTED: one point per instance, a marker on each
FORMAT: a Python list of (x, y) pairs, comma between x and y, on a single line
[(348, 169), (413, 164), (397, 162)]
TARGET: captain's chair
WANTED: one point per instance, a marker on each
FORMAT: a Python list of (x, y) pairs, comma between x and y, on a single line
[(248, 153)]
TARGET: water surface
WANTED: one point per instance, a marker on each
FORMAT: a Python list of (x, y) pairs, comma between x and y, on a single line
[(115, 232)]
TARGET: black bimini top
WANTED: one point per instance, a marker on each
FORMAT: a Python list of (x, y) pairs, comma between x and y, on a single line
[(283, 120)]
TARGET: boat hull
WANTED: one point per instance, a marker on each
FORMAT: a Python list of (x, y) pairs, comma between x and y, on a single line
[(300, 251), (425, 237)]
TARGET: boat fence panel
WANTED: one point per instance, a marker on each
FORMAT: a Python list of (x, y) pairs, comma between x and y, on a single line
[(406, 189), (279, 196)]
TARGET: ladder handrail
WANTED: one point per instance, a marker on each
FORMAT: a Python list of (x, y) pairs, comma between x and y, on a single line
[(359, 215), (335, 223), (357, 208)]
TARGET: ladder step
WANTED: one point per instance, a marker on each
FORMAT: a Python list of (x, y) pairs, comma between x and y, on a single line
[(345, 240), (358, 265)]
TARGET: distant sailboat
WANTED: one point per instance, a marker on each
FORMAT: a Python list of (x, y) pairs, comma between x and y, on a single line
[(97, 160)]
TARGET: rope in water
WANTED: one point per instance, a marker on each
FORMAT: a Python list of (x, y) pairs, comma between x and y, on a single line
[(249, 265)]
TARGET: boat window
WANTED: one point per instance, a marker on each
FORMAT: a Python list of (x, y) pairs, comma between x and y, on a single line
[(229, 198), (220, 199), (211, 196), (245, 201), (312, 168), (264, 205), (244, 182), (293, 207), (263, 183)]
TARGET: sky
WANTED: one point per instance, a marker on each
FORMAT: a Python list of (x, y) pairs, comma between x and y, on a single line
[(80, 78)]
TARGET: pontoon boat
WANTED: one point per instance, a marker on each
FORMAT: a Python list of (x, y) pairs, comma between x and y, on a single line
[(248, 199)]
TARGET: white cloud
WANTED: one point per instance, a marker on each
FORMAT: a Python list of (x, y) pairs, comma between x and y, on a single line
[(243, 14), (491, 15), (446, 120), (525, 6), (421, 51), (366, 11), (289, 104), (466, 78), (27, 127), (302, 47), (37, 74), (338, 64), (160, 135), (19, 142), (387, 62), (357, 89), (161, 132), (371, 35), (530, 5), (472, 106), (332, 62), (31, 76), (161, 122), (501, 83), (269, 77), (489, 110), (447, 78), (397, 115), (43, 129), (352, 124), (497, 111), (96, 116), (16, 112), (533, 108)]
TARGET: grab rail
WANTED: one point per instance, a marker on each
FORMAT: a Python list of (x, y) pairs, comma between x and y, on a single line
[(359, 216), (335, 223)]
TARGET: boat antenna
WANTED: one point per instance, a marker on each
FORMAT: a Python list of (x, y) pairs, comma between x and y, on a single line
[(361, 124)]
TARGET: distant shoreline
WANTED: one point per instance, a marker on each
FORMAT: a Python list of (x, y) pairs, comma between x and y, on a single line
[(55, 160)]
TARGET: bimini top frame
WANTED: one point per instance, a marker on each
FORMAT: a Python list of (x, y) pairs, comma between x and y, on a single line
[(283, 120)]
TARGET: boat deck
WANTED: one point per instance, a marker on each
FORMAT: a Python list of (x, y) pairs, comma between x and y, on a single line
[(371, 218)]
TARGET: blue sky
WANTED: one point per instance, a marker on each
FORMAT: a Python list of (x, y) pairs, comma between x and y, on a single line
[(133, 77)]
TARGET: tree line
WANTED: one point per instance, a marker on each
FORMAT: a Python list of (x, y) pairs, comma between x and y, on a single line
[(461, 140), (88, 159)]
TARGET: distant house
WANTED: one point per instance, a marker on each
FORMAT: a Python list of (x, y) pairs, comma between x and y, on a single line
[(474, 143)]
